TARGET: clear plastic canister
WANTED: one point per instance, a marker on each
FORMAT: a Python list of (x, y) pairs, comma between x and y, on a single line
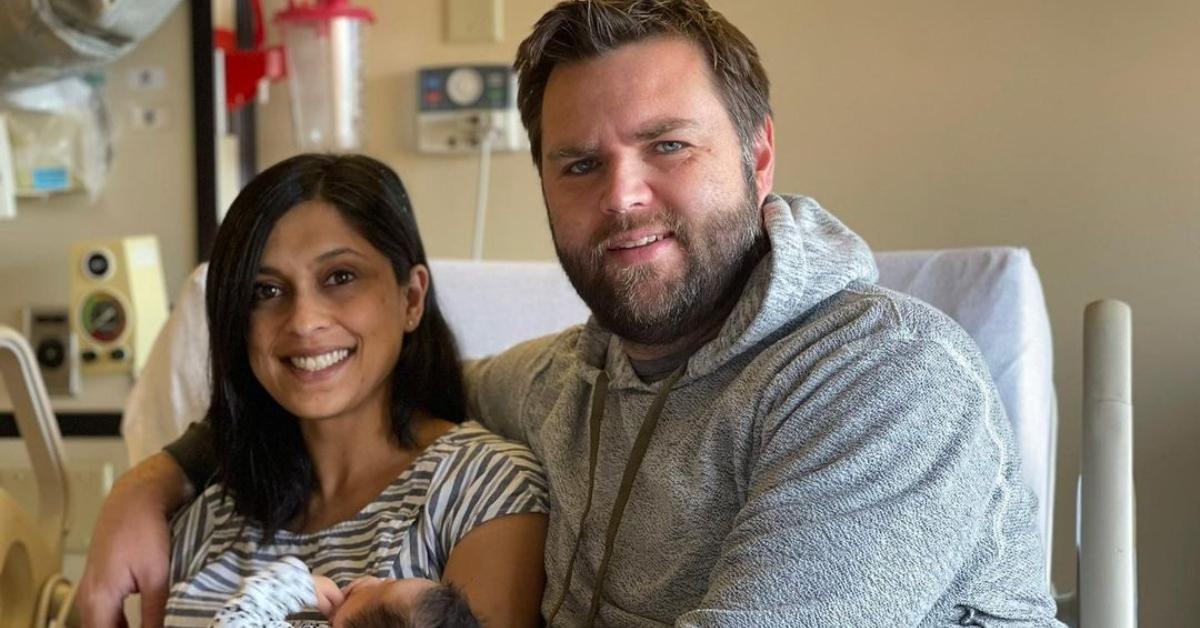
[(323, 44)]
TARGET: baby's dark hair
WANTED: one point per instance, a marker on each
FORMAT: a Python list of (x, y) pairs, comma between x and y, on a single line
[(443, 606)]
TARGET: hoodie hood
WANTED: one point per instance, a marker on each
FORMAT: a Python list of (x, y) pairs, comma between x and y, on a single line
[(813, 256)]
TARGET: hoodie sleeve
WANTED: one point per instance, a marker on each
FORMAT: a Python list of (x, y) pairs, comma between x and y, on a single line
[(878, 478), (498, 386)]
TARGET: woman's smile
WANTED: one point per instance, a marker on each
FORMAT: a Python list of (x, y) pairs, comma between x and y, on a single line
[(319, 361)]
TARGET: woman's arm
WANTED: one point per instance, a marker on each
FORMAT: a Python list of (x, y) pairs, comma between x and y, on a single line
[(493, 577), (130, 546), (498, 567)]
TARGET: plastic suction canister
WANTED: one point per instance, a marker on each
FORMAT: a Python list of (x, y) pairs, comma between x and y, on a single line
[(323, 46)]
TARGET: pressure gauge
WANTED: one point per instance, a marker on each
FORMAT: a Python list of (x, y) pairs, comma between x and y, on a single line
[(104, 317), (464, 86)]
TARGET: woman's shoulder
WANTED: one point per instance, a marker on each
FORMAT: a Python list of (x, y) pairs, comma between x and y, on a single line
[(474, 448), (471, 454), (476, 475), (472, 440)]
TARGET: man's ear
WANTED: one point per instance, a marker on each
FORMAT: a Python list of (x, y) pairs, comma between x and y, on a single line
[(764, 159)]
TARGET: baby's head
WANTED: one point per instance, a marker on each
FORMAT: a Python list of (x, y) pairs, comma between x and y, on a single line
[(437, 607)]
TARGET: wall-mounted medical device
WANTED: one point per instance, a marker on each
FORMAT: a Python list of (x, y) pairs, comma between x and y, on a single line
[(470, 109), (118, 302), (55, 346), (462, 108)]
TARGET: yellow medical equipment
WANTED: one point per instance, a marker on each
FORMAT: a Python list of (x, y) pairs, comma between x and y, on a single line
[(118, 302), (33, 592)]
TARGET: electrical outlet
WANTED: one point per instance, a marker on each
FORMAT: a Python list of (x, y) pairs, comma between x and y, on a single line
[(146, 78), (149, 118)]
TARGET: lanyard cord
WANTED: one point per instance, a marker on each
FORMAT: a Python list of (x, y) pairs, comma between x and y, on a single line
[(640, 445), (631, 469)]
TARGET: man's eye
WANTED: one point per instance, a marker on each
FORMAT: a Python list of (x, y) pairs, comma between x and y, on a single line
[(583, 166), (339, 277), (669, 146), (265, 291)]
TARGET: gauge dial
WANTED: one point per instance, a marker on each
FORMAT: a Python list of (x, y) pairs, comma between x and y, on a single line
[(464, 86), (103, 317)]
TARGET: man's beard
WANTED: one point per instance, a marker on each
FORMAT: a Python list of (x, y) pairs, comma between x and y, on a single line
[(640, 306)]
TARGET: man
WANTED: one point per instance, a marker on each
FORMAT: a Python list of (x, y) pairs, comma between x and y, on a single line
[(748, 431)]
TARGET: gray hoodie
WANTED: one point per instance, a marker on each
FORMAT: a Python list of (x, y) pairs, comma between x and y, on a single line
[(836, 456)]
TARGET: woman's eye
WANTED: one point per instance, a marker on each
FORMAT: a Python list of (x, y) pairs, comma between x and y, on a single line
[(264, 291), (339, 277), (669, 146)]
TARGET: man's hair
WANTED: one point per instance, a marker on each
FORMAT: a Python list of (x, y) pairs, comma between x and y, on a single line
[(577, 30), (441, 607)]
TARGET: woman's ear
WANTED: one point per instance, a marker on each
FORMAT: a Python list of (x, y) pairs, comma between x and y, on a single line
[(414, 296)]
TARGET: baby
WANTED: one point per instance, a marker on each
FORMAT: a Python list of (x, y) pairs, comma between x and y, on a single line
[(286, 587)]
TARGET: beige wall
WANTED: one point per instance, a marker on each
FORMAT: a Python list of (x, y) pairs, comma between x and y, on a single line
[(407, 36), (1069, 128)]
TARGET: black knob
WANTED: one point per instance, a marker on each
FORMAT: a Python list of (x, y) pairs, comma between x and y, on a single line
[(50, 353), (97, 264), (117, 354), (88, 356)]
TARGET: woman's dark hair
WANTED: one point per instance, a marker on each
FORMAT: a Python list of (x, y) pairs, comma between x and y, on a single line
[(262, 458)]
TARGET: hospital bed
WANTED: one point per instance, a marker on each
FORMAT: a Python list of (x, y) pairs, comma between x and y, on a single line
[(994, 293), (33, 592)]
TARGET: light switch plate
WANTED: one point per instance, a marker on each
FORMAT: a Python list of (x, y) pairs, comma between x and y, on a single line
[(474, 21)]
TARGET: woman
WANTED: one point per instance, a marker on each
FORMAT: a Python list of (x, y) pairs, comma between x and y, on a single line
[(338, 410)]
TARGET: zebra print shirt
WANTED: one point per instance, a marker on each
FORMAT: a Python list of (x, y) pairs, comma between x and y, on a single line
[(466, 477)]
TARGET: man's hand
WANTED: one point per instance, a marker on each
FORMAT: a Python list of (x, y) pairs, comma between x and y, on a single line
[(130, 549)]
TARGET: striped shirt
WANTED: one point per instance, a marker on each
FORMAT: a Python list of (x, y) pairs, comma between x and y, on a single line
[(466, 477)]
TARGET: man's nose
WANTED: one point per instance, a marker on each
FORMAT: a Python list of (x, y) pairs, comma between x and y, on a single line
[(626, 186)]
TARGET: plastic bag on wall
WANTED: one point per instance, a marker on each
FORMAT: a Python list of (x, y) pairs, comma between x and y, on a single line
[(60, 138), (42, 40)]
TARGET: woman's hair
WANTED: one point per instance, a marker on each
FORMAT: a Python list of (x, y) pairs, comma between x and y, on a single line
[(262, 458)]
